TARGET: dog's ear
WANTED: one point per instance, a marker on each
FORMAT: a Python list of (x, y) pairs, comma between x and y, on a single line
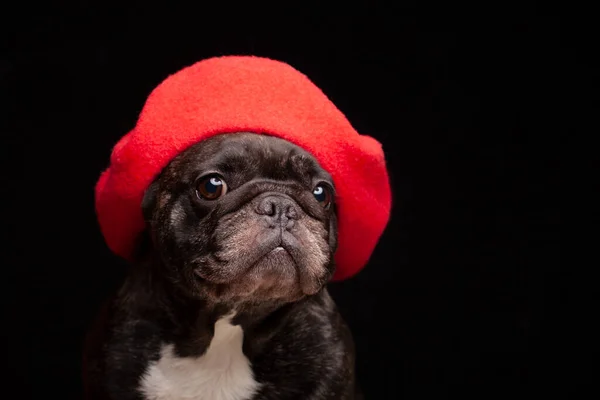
[(149, 201)]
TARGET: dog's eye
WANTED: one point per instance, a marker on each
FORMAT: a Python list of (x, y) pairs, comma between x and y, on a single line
[(323, 195), (211, 187)]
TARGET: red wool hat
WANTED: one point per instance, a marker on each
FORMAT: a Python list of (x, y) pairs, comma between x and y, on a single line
[(247, 94)]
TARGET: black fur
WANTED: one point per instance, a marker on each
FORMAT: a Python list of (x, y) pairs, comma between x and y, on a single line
[(201, 259)]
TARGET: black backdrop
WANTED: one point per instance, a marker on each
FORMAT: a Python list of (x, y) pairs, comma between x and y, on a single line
[(460, 296)]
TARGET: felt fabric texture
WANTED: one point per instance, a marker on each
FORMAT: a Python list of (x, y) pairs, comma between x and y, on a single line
[(247, 94)]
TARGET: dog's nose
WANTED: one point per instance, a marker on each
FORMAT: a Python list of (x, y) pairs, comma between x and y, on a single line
[(280, 210)]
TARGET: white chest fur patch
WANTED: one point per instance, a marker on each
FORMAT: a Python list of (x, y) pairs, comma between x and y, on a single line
[(222, 373)]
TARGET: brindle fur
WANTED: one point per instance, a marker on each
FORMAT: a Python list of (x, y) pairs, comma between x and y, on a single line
[(194, 265)]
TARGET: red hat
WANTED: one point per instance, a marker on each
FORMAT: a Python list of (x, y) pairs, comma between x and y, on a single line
[(247, 94)]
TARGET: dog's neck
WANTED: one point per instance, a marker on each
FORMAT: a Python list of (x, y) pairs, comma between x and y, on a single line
[(189, 322)]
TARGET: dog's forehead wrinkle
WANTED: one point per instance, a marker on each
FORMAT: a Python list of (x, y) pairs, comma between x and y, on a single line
[(247, 156), (272, 149)]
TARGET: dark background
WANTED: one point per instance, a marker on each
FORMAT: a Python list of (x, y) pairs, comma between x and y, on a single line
[(463, 295)]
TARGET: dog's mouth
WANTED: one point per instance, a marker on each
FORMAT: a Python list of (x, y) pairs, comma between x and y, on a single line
[(281, 249), (276, 265), (283, 253), (277, 250), (256, 255), (284, 244)]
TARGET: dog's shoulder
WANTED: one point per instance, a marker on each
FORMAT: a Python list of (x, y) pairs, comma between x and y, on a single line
[(118, 347), (313, 352), (93, 362)]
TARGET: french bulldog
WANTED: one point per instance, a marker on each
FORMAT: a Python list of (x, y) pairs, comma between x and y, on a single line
[(227, 298)]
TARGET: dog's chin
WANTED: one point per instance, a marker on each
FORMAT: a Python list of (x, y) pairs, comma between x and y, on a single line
[(275, 276)]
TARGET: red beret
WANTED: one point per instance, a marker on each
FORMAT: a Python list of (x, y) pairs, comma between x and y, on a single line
[(247, 94)]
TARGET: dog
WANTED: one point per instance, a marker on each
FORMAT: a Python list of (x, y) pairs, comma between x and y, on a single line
[(227, 297)]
